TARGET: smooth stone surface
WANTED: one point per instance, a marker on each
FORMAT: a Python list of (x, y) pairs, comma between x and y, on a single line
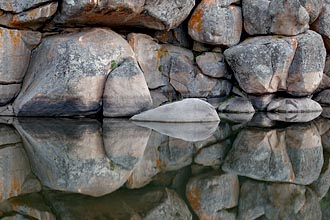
[(160, 15), (187, 110), (124, 142), (323, 97), (297, 117), (216, 22), (185, 131), (209, 193), (126, 92), (292, 105), (322, 24), (8, 92), (236, 104), (213, 65), (261, 64), (56, 83), (74, 148)]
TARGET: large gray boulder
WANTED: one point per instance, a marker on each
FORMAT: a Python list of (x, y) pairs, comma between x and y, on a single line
[(187, 110), (285, 17), (322, 24), (210, 193), (261, 64), (216, 22), (68, 72), (153, 14), (236, 104), (126, 92), (289, 105), (323, 97), (306, 70), (15, 55)]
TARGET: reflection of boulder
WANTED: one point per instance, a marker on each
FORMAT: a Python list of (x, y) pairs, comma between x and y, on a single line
[(147, 203), (15, 172), (184, 131), (277, 201), (322, 184), (31, 206), (210, 193), (293, 154), (68, 155), (124, 142)]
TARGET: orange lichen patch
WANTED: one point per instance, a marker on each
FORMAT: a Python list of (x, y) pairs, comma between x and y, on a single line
[(158, 162), (195, 22), (193, 196), (15, 38), (164, 36), (15, 187)]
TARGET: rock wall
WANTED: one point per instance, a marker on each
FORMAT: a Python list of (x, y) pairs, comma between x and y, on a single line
[(122, 57)]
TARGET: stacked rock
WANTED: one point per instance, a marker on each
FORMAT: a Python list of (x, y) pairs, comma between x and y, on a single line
[(122, 57)]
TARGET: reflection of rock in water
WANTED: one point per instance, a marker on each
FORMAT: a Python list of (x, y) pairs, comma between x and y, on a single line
[(147, 204), (277, 201), (293, 154), (69, 155), (210, 194), (15, 172), (27, 206)]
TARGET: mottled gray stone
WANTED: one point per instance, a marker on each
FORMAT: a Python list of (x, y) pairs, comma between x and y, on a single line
[(187, 110), (322, 184), (236, 104), (214, 154), (75, 147), (213, 65), (323, 97), (290, 105), (185, 131), (261, 64), (293, 117), (8, 92), (153, 14), (306, 70), (241, 117), (68, 72), (277, 17), (216, 22), (209, 193), (124, 142), (322, 24), (273, 201), (261, 102), (32, 19), (17, 6), (126, 92)]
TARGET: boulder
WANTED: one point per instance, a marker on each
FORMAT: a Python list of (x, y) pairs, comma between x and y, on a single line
[(323, 97), (213, 65), (236, 104), (187, 110), (68, 72), (322, 24), (284, 17), (17, 6), (261, 64), (291, 105), (216, 22), (210, 193), (126, 92), (15, 55), (306, 70), (32, 19), (153, 14)]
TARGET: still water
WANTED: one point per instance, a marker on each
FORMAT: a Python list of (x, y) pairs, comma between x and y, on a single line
[(262, 166)]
